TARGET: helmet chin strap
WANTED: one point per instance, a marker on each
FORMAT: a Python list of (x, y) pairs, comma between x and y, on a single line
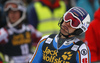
[(69, 34), (76, 33), (17, 22), (66, 36)]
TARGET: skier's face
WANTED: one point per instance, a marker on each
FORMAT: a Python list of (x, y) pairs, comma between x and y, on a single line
[(66, 28), (13, 16)]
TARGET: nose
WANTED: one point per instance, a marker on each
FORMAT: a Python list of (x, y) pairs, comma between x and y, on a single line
[(68, 23)]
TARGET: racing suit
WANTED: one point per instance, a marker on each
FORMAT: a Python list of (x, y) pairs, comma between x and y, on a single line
[(17, 43), (72, 50)]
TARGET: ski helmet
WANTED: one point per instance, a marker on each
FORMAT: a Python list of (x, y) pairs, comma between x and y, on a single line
[(15, 5), (79, 19)]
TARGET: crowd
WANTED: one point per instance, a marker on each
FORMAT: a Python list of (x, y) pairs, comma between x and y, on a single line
[(24, 22)]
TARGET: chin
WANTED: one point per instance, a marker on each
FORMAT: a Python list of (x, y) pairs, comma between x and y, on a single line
[(13, 21), (64, 32)]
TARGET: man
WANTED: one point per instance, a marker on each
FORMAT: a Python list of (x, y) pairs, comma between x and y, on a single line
[(65, 47), (17, 37), (44, 15), (92, 37)]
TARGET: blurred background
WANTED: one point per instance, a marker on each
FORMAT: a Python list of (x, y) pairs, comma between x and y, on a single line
[(44, 15)]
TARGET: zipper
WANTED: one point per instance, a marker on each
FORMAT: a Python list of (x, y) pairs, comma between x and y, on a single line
[(57, 48), (57, 44)]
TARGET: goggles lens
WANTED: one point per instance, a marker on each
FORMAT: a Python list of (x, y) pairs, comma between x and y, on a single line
[(12, 5), (69, 17)]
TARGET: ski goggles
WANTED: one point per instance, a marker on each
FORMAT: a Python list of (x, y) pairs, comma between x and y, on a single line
[(11, 5), (74, 21)]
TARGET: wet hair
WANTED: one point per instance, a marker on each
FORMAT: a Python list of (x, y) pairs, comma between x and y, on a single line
[(60, 22)]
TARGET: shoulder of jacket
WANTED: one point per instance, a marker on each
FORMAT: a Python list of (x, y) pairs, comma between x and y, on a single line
[(44, 37)]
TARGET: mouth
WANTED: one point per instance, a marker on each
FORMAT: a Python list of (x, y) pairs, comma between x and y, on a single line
[(64, 28)]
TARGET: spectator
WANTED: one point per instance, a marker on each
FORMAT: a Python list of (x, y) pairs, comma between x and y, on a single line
[(18, 36), (45, 14), (92, 37), (65, 47)]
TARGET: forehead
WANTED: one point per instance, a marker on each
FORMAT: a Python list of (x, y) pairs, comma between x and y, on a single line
[(14, 11)]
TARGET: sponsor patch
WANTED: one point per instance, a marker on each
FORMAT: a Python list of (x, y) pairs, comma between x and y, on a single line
[(83, 52), (84, 60), (49, 40), (75, 47)]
